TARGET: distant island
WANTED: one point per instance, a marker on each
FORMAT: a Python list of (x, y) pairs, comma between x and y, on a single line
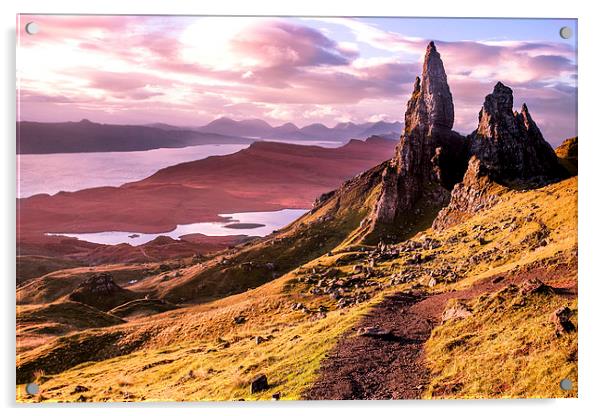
[(244, 226)]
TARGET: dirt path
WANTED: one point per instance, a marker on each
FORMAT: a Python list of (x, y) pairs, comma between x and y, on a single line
[(379, 368), (391, 367)]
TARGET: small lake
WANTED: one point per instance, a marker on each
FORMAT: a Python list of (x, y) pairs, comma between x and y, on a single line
[(240, 223)]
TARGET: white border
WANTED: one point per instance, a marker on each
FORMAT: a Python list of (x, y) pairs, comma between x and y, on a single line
[(589, 196)]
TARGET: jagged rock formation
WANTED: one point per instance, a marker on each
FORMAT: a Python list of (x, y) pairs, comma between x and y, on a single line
[(473, 194), (506, 148), (101, 291), (509, 143), (430, 157)]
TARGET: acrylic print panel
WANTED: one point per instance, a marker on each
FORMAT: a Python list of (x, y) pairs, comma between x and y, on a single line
[(269, 208)]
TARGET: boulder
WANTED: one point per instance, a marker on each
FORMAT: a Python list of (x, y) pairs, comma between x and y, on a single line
[(259, 383), (561, 318), (374, 332), (456, 311), (534, 285)]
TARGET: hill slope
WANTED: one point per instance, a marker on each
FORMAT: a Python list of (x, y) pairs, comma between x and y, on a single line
[(202, 353)]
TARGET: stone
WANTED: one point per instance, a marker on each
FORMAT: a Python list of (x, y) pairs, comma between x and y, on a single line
[(276, 396), (534, 285), (259, 383), (373, 331), (80, 389), (259, 339), (561, 318), (239, 319), (456, 311)]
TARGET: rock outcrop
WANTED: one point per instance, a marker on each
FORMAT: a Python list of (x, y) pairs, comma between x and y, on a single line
[(510, 144), (430, 180), (101, 291), (568, 155), (475, 193), (430, 157), (506, 148)]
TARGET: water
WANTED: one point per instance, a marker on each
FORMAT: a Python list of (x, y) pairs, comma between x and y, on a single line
[(321, 143), (269, 220), (51, 173), (56, 172)]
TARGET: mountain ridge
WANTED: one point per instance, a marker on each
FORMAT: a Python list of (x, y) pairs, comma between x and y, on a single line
[(88, 136)]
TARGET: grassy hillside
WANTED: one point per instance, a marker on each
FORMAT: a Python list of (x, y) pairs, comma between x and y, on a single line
[(38, 324), (511, 335), (286, 327), (260, 261), (30, 267), (55, 285)]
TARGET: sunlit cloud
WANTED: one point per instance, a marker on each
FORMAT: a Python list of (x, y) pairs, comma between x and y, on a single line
[(189, 71)]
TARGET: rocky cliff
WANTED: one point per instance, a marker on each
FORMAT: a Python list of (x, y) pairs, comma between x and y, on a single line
[(507, 148), (567, 154), (430, 157), (476, 192), (509, 143), (430, 167)]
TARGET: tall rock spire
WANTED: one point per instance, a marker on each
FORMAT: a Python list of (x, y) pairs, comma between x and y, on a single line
[(430, 156), (431, 165), (434, 109), (431, 107), (509, 143)]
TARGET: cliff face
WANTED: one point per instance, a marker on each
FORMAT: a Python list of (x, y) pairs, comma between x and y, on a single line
[(430, 157), (473, 194)]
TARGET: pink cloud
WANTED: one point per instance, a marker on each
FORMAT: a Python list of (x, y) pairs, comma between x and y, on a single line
[(280, 43), (136, 69)]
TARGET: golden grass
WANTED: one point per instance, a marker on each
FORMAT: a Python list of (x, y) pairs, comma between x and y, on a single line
[(507, 349), (212, 369), (199, 353)]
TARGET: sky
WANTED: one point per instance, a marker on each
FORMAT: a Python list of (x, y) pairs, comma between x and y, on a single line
[(188, 71)]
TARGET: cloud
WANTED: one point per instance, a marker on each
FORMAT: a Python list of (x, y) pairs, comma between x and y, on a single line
[(280, 43), (192, 70)]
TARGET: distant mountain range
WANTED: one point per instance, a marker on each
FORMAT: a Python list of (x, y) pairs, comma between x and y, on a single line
[(87, 136), (259, 129)]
